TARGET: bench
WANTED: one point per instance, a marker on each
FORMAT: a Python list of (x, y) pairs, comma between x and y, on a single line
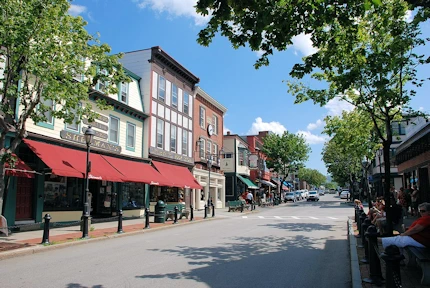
[(234, 205), (420, 257), (170, 211)]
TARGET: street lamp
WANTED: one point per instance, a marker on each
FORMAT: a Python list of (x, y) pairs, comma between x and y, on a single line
[(379, 154), (209, 164), (89, 134)]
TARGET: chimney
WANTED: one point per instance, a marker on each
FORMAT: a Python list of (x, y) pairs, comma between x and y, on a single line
[(228, 132)]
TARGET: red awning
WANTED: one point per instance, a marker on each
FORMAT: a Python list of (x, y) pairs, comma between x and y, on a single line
[(72, 163), (138, 172), (20, 170), (180, 176)]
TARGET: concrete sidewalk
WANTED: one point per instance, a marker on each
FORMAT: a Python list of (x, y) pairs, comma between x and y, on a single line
[(29, 242)]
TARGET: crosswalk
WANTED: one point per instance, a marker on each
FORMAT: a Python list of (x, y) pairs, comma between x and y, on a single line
[(290, 217)]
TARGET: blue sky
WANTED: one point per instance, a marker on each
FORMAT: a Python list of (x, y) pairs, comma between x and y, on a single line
[(257, 100)]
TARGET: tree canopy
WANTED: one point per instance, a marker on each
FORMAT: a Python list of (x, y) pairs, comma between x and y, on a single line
[(43, 52), (312, 176), (286, 152)]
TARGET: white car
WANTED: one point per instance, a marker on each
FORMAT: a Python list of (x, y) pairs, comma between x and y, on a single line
[(344, 194), (314, 196), (321, 192), (289, 196), (304, 194)]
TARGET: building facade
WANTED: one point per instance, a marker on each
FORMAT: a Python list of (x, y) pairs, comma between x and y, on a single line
[(235, 165), (208, 150), (168, 90)]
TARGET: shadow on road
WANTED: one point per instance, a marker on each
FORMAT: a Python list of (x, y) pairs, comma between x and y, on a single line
[(77, 285), (229, 264), (301, 227)]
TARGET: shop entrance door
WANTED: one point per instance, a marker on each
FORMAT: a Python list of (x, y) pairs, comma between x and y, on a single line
[(24, 199)]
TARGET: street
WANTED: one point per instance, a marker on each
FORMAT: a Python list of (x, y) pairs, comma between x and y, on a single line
[(301, 244)]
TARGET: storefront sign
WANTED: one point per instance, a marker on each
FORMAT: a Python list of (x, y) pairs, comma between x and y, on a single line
[(79, 138), (98, 134), (96, 125), (102, 118), (171, 155)]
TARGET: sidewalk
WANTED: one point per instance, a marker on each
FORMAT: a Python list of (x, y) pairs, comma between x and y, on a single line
[(410, 277), (22, 243)]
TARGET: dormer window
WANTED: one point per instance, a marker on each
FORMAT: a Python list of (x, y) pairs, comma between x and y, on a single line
[(101, 84), (124, 92)]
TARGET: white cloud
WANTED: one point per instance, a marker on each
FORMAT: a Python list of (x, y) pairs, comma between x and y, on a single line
[(409, 16), (76, 10), (176, 8), (313, 126), (421, 109), (312, 138), (303, 44), (273, 126), (336, 105)]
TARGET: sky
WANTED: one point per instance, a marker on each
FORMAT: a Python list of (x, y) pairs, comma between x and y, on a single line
[(256, 100)]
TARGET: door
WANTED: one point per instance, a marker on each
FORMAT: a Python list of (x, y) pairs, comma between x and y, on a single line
[(24, 199)]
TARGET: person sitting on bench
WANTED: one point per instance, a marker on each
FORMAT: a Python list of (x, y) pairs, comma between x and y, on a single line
[(418, 234)]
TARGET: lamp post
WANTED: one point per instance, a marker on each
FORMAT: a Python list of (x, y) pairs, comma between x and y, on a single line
[(89, 134), (209, 164), (379, 154)]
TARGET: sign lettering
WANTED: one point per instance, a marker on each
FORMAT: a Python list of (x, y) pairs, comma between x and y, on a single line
[(171, 155), (95, 143), (98, 134), (96, 125)]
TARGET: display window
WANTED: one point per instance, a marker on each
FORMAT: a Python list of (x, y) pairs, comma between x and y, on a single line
[(133, 195), (166, 194), (62, 193)]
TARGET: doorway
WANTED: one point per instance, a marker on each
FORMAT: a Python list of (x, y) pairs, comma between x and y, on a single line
[(24, 199)]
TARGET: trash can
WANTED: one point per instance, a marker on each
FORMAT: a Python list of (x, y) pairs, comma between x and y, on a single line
[(160, 212)]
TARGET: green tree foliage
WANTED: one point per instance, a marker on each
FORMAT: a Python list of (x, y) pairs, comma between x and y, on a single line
[(286, 152), (311, 176), (42, 50), (271, 25), (331, 185)]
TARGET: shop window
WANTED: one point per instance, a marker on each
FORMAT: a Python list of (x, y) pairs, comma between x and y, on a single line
[(62, 193), (133, 195), (165, 194)]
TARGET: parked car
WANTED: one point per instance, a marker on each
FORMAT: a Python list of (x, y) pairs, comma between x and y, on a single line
[(313, 195), (289, 196), (344, 194), (332, 191), (321, 192), (298, 195), (304, 194)]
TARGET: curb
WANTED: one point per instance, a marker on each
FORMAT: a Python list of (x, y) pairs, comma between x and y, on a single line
[(41, 248), (355, 266)]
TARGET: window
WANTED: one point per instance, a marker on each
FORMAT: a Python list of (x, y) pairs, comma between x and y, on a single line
[(174, 96), (215, 152), (49, 107), (173, 130), (215, 124), (243, 156), (113, 129), (398, 128), (101, 84), (202, 116), (202, 148), (160, 133), (228, 155), (124, 92), (74, 126), (133, 195), (208, 149), (186, 102), (161, 88), (131, 136), (185, 142)]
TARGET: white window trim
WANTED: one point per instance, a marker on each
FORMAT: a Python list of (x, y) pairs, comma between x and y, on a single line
[(110, 127), (133, 146), (126, 85), (202, 151), (164, 89), (184, 142), (177, 92), (202, 122), (185, 95), (162, 134), (173, 128)]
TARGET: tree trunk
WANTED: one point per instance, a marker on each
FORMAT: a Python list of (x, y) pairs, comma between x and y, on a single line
[(2, 186), (387, 176)]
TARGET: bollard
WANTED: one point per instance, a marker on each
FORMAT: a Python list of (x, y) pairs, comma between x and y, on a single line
[(119, 231), (364, 227), (392, 258), (253, 203), (213, 210), (191, 213), (361, 218), (241, 207), (176, 215), (146, 218), (375, 276), (206, 212), (357, 209), (45, 238)]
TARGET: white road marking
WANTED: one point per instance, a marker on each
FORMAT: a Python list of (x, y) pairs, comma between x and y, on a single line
[(313, 217), (294, 217), (244, 216), (277, 217), (332, 218), (261, 217)]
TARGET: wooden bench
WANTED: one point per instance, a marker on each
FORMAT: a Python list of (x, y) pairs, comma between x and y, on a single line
[(170, 211), (420, 257), (234, 205)]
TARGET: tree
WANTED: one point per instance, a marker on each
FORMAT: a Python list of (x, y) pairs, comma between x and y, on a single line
[(368, 69), (285, 153), (311, 176), (331, 185), (42, 51), (267, 26)]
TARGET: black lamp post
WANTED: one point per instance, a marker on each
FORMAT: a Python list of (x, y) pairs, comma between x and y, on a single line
[(89, 134), (379, 154), (365, 164), (209, 164)]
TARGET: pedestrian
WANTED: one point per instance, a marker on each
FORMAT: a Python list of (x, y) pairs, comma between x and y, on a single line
[(418, 234), (414, 198), (249, 198), (403, 202)]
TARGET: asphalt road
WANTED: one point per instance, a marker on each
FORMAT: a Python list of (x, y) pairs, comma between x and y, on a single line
[(294, 245)]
